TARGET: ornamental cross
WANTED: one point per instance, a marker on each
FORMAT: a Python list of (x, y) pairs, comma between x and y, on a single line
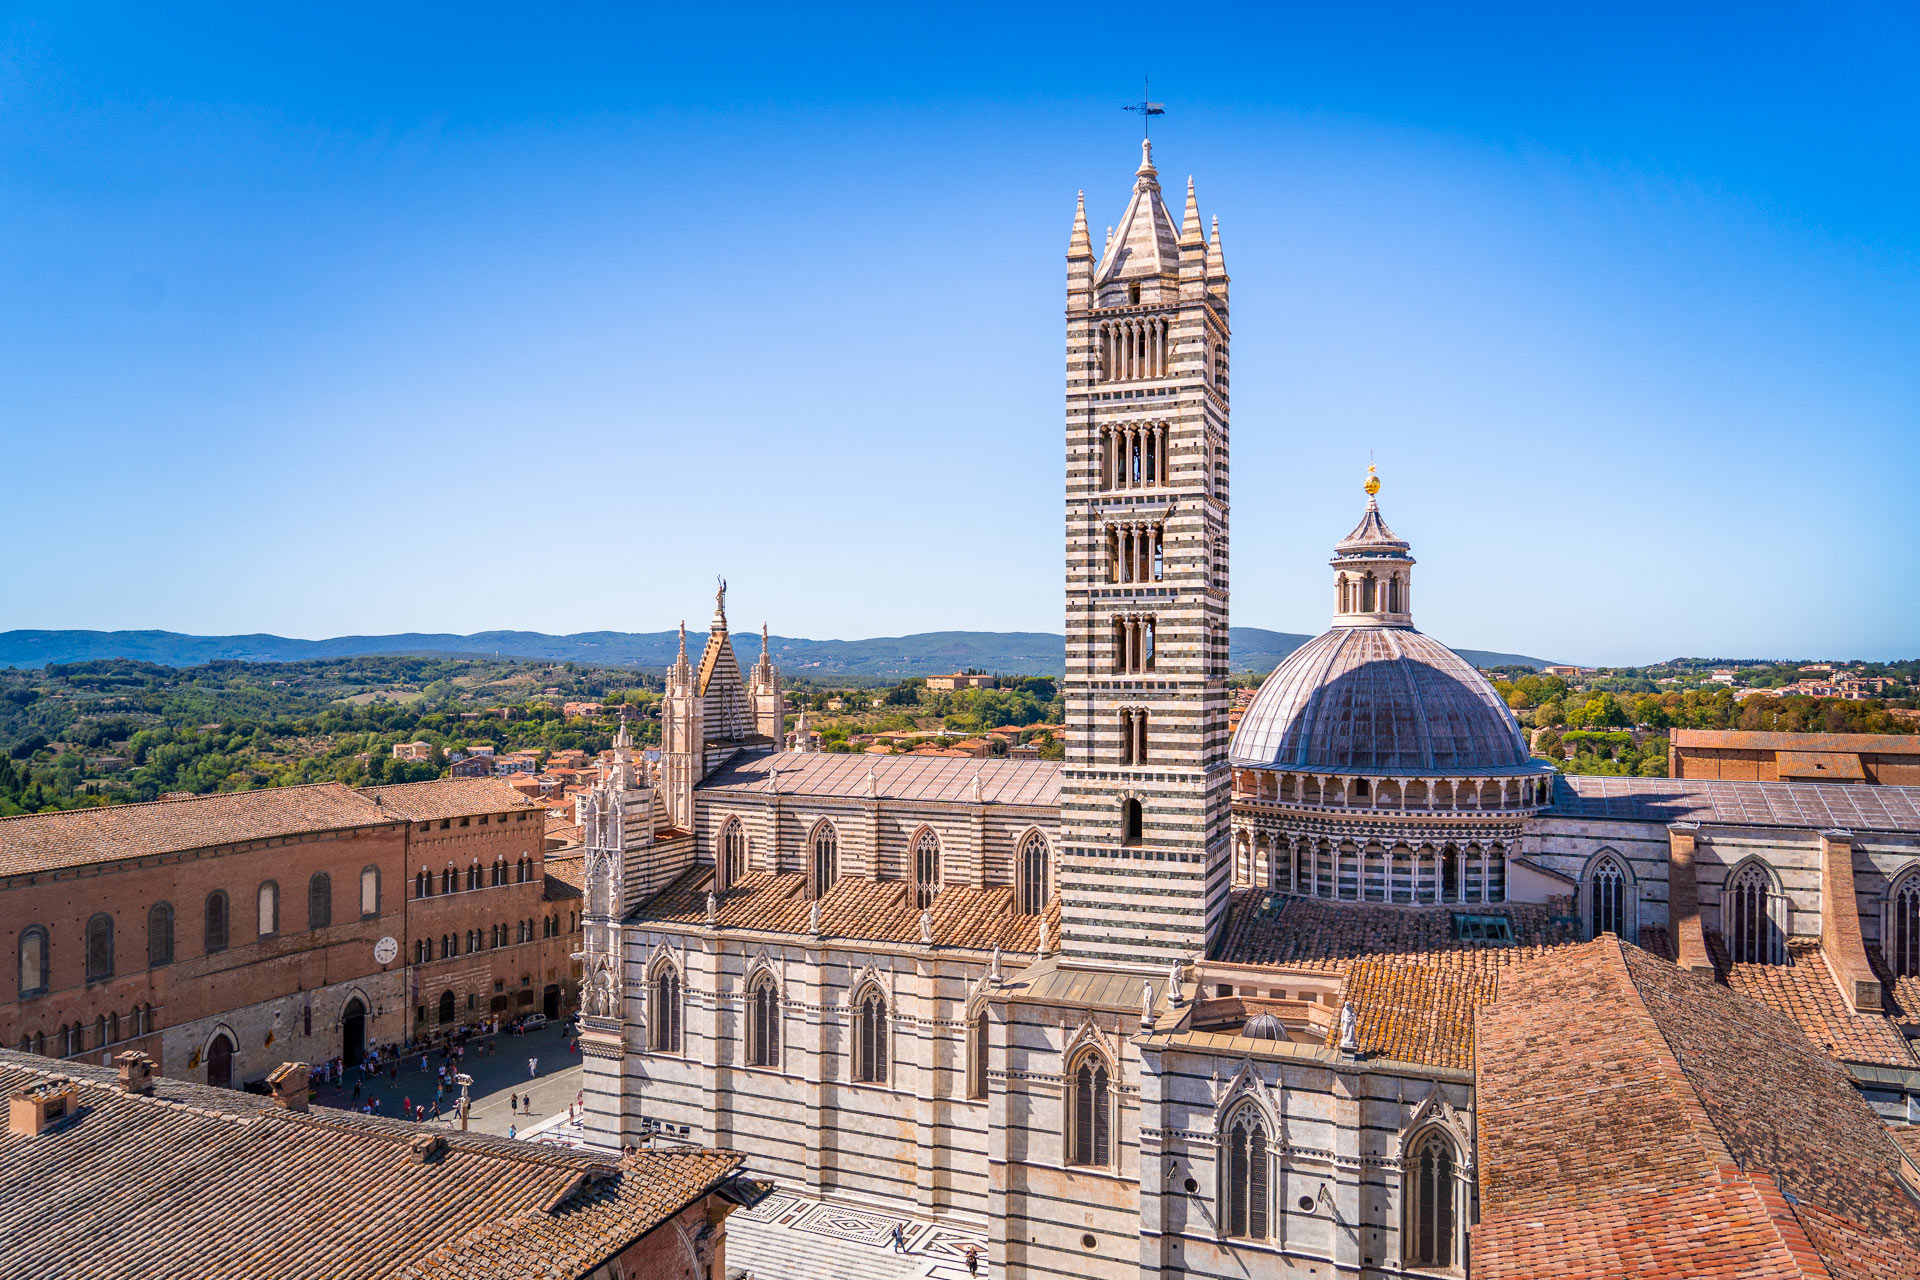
[(1146, 108)]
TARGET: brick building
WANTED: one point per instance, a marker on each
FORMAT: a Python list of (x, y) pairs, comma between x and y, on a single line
[(122, 1174), (489, 933), (225, 934), (1740, 755)]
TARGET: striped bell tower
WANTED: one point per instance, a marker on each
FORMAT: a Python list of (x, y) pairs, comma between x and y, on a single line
[(1146, 788)]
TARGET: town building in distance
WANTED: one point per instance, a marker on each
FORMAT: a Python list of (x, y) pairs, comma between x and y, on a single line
[(1356, 988)]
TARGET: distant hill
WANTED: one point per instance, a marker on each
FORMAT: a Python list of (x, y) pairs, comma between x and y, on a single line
[(891, 657)]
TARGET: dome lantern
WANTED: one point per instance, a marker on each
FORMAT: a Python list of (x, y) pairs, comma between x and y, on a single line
[(1373, 571)]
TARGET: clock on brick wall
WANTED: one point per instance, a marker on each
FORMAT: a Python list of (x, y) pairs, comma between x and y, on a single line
[(385, 950)]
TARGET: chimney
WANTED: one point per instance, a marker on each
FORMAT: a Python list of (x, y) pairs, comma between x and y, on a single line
[(136, 1072), (423, 1147), (289, 1084), (31, 1112)]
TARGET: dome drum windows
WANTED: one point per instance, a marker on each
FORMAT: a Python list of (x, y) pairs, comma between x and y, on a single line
[(1371, 871)]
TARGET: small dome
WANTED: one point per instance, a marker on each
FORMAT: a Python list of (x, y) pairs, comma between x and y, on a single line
[(1264, 1026), (1379, 700)]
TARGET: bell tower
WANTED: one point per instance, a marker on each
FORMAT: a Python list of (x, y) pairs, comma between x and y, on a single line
[(1146, 789)]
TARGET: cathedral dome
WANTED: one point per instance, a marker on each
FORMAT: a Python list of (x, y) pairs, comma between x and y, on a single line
[(1374, 696), (1379, 700)]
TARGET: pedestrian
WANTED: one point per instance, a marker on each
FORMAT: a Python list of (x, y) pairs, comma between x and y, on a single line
[(356, 1089), (973, 1259), (513, 1131), (899, 1239), (406, 1103), (423, 1062), (533, 1067), (513, 1102)]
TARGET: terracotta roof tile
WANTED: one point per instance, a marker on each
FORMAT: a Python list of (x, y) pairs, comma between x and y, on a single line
[(448, 798), (1804, 990), (855, 907), (196, 1182), (78, 837)]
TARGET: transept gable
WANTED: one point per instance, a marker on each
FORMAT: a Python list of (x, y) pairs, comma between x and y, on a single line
[(1247, 1086)]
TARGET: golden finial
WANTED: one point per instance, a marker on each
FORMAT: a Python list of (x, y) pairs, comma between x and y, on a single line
[(1373, 480)]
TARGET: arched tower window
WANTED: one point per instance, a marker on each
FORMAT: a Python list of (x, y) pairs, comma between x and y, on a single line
[(159, 935), (1035, 883), (663, 1010), (926, 867), (824, 868), (1090, 1112), (1432, 1201), (319, 900), (1607, 889), (1132, 822), (1747, 917), (1903, 928), (870, 1038), (1245, 1193), (732, 862), (763, 1022)]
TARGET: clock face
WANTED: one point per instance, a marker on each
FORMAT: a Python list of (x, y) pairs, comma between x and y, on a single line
[(385, 950)]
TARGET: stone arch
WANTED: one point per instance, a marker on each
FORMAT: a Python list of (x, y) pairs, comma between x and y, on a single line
[(1754, 913), (1087, 1134)]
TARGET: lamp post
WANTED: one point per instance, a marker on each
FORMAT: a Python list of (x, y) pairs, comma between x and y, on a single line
[(465, 1082)]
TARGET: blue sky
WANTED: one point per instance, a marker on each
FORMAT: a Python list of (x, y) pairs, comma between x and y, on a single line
[(488, 317)]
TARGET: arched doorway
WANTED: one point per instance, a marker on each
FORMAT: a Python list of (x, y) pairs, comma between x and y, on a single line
[(446, 1006), (551, 1005), (220, 1062), (353, 1033)]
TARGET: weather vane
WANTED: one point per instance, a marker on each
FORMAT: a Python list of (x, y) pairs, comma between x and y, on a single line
[(1146, 108)]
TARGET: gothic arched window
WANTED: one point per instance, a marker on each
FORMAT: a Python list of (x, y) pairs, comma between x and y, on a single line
[(99, 947), (1432, 1202), (763, 1022), (449, 879), (1747, 917), (319, 900), (159, 935), (926, 868), (1244, 1193), (600, 887), (663, 1010), (732, 862), (870, 1040), (1607, 899), (33, 957), (1035, 880), (423, 883), (825, 866), (1903, 928), (1089, 1112)]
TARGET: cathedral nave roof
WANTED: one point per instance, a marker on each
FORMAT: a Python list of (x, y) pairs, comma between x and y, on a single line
[(855, 907), (1812, 806), (934, 779)]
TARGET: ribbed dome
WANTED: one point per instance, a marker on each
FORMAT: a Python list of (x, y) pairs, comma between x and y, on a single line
[(1379, 700)]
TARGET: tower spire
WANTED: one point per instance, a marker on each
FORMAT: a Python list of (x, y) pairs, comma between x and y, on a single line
[(1079, 244)]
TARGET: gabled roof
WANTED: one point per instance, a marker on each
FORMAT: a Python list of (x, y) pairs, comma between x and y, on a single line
[(934, 779), (195, 1181), (448, 798), (1145, 241), (1636, 1119)]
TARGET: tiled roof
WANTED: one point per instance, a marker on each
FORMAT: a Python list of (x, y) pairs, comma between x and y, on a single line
[(1804, 990), (197, 1182), (1809, 805), (448, 798), (855, 907), (1413, 986), (77, 837), (935, 780), (1636, 1119), (1754, 740)]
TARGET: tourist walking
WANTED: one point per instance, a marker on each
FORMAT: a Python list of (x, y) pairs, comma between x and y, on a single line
[(899, 1239), (973, 1259), (533, 1067)]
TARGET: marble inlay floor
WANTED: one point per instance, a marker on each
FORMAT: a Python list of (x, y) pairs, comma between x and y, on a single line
[(793, 1237)]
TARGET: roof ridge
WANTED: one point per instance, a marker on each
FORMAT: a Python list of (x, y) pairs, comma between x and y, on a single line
[(166, 800)]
